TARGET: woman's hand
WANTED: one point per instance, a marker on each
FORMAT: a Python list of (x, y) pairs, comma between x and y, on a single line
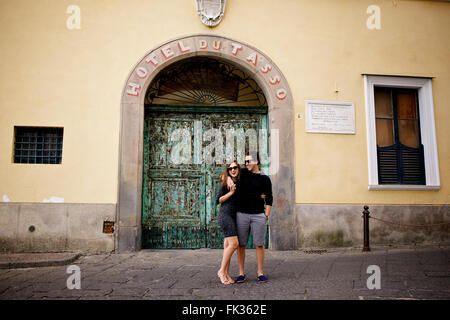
[(227, 196), (232, 189), (230, 183)]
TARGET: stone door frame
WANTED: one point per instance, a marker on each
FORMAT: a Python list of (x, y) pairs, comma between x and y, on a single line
[(280, 121)]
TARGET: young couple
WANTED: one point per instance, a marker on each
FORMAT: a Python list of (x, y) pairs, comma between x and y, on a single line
[(242, 194)]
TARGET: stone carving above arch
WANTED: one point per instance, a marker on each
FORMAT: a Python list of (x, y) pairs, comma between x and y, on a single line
[(211, 11), (280, 116)]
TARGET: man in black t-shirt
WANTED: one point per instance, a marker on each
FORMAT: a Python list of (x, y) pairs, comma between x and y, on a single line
[(251, 214)]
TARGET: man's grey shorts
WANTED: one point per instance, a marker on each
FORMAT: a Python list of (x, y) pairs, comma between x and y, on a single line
[(254, 222)]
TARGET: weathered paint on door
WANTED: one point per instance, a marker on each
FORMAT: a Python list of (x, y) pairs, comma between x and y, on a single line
[(179, 209)]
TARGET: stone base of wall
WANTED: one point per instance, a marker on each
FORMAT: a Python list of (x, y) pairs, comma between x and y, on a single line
[(57, 227), (79, 227), (342, 225)]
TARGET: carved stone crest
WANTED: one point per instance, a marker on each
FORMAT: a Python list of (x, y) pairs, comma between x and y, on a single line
[(211, 11)]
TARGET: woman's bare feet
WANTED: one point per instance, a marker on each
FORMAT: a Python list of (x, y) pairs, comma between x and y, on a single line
[(223, 278), (230, 280)]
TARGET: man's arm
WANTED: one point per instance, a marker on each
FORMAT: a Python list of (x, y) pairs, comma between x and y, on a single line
[(269, 198), (268, 209)]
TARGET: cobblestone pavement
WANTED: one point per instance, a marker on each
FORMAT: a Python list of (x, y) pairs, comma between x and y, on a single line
[(406, 273)]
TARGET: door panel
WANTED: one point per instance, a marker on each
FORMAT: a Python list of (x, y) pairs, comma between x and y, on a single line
[(173, 203), (241, 128)]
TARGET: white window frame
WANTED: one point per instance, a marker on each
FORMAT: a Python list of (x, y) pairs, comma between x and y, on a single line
[(427, 129)]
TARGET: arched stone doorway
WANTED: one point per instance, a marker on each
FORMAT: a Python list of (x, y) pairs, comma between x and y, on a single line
[(280, 123), (200, 113)]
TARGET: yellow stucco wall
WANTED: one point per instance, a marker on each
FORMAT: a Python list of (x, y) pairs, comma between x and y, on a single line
[(52, 76)]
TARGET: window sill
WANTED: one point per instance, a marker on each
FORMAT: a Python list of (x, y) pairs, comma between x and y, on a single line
[(403, 187)]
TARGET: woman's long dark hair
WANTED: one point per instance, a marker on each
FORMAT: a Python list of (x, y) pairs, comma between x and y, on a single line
[(225, 173)]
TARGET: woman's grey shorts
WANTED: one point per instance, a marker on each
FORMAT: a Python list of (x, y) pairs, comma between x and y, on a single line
[(254, 222)]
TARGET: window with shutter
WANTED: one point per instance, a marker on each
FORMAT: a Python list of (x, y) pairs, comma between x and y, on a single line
[(400, 152)]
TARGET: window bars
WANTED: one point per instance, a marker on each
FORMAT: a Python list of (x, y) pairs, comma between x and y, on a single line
[(38, 145)]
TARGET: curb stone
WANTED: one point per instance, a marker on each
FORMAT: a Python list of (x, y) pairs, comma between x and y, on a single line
[(33, 260)]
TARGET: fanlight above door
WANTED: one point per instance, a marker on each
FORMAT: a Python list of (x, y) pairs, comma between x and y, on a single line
[(204, 81)]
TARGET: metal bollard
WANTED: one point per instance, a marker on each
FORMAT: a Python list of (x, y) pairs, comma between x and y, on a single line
[(366, 228)]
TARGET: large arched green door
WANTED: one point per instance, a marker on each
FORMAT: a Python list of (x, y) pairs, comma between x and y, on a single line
[(195, 112)]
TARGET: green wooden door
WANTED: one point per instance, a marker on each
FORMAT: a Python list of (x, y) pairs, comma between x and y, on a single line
[(181, 173)]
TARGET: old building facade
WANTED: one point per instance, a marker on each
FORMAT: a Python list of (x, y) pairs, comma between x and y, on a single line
[(118, 116)]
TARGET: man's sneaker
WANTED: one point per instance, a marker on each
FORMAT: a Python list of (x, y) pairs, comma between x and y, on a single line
[(262, 278), (240, 279)]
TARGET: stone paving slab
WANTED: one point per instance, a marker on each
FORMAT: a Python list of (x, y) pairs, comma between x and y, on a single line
[(406, 273)]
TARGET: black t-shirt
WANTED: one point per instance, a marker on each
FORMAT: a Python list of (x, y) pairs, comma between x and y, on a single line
[(249, 190)]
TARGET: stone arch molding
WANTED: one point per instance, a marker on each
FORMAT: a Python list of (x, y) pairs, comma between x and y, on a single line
[(279, 98)]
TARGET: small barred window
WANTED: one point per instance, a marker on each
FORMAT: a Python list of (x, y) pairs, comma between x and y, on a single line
[(38, 145)]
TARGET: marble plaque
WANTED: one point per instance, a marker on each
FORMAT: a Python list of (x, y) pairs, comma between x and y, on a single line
[(330, 117)]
